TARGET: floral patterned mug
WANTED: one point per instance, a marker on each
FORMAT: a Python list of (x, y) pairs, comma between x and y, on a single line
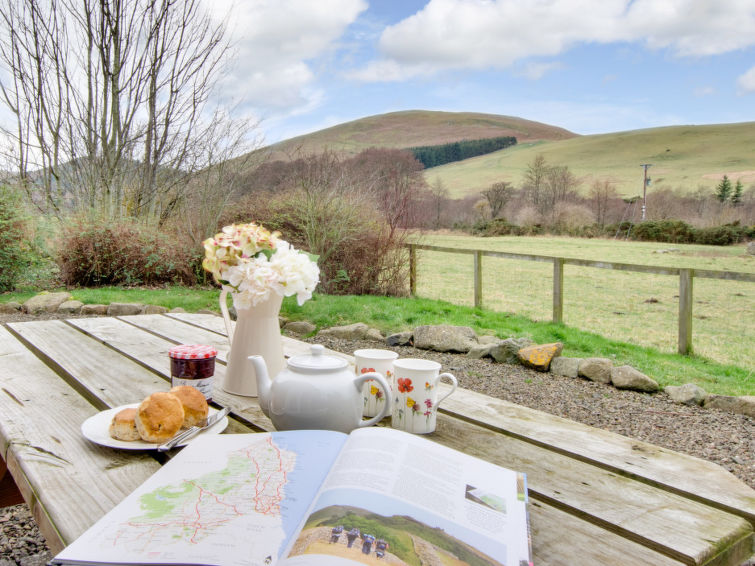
[(415, 399), (381, 361)]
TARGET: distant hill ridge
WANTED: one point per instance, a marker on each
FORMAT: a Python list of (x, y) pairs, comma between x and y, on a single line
[(414, 128), (683, 157)]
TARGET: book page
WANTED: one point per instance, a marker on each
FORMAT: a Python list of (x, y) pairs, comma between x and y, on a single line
[(226, 500), (401, 498)]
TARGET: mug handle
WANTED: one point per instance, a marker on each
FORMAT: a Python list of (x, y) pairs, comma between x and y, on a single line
[(359, 381), (226, 316), (454, 384)]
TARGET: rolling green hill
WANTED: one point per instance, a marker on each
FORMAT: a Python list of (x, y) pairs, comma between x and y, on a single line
[(682, 156), (415, 128)]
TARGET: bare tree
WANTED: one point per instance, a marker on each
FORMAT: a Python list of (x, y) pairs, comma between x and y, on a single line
[(439, 200), (534, 179), (110, 100), (602, 192), (497, 195)]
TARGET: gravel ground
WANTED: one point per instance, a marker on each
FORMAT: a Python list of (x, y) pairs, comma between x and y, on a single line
[(724, 438)]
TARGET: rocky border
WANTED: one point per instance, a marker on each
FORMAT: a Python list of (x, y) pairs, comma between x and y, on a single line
[(541, 357)]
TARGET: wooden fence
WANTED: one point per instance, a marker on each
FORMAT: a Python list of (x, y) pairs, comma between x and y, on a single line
[(686, 279)]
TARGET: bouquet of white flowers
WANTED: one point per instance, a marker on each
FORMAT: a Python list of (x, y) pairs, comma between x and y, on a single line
[(251, 262)]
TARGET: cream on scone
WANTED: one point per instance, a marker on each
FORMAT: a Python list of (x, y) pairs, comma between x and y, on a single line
[(194, 405), (123, 425), (159, 417)]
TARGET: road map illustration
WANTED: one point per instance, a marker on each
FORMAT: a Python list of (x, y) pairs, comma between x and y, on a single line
[(243, 502)]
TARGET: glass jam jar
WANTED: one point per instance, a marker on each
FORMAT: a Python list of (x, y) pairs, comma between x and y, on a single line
[(194, 365)]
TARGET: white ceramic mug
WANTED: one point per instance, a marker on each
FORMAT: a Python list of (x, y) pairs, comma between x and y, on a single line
[(415, 394), (380, 361)]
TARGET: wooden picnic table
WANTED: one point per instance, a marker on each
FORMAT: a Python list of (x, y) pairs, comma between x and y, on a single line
[(595, 497)]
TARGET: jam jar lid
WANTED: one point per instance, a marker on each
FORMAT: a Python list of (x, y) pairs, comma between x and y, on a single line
[(192, 352)]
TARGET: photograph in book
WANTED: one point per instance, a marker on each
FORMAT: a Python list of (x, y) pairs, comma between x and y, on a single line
[(365, 536)]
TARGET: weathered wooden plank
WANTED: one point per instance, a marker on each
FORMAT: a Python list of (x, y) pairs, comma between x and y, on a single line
[(67, 481), (560, 539), (672, 471), (207, 321), (102, 375), (558, 290), (665, 522), (167, 328), (152, 351)]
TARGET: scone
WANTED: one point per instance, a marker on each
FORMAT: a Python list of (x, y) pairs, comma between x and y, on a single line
[(123, 425), (159, 417), (194, 404)]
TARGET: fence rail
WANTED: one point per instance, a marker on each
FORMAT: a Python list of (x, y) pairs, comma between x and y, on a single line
[(686, 280)]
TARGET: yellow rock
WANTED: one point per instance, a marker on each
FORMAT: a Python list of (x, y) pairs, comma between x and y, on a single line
[(539, 356)]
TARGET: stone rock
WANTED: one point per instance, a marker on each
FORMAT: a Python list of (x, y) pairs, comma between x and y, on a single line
[(11, 307), (687, 394), (539, 356), (71, 307), (400, 339), (626, 377), (744, 405), (124, 309), (444, 338), (489, 340), (480, 351), (596, 369), (374, 334), (751, 248), (46, 302), (300, 327), (94, 310), (568, 367), (180, 309), (154, 309), (356, 331), (506, 351)]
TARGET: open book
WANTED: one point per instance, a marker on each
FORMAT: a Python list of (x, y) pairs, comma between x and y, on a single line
[(310, 498)]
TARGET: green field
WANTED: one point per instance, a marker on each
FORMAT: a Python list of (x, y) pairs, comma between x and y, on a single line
[(681, 156), (632, 307)]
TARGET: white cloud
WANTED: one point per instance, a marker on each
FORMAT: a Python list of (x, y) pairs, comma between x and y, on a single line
[(483, 34), (746, 82), (276, 44), (705, 91), (535, 71)]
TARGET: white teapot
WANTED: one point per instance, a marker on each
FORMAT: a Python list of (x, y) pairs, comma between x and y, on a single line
[(316, 391)]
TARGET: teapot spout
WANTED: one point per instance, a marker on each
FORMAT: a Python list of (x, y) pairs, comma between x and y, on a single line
[(263, 383)]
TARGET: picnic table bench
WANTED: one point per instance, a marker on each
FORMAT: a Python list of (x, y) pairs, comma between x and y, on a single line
[(595, 497)]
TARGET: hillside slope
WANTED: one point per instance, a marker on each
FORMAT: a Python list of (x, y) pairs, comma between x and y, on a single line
[(683, 157), (415, 128)]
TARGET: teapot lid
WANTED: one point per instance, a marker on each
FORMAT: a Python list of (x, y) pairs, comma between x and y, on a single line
[(317, 361)]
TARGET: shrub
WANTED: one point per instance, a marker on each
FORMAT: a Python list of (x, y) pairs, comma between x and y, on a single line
[(358, 251), (670, 231), (725, 235), (96, 252), (12, 239)]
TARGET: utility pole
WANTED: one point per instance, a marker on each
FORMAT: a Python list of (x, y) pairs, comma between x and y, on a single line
[(645, 181)]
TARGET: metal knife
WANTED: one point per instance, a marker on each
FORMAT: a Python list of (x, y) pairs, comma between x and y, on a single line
[(193, 431)]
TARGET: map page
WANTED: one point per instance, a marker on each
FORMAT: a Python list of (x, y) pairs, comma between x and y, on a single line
[(226, 500)]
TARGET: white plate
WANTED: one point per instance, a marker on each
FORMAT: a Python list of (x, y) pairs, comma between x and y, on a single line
[(96, 428)]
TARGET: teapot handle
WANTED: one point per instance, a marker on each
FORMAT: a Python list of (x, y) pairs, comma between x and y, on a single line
[(359, 381), (226, 316)]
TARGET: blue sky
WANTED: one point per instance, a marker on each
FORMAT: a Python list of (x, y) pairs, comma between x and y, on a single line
[(590, 66)]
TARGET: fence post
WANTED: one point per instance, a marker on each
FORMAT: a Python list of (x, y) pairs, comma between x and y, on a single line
[(558, 289), (478, 278), (412, 270), (686, 277)]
